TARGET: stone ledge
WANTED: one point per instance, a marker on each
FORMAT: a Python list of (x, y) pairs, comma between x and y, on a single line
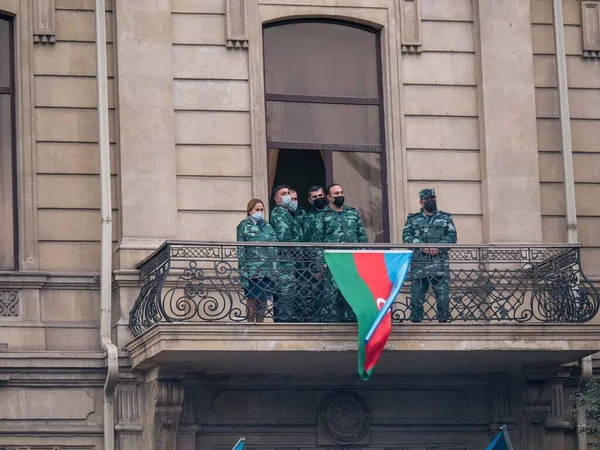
[(277, 346), (58, 369), (48, 280)]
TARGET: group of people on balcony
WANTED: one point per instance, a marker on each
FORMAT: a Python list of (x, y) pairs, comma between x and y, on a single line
[(296, 279)]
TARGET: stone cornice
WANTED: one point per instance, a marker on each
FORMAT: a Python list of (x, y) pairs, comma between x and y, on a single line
[(47, 280), (57, 369)]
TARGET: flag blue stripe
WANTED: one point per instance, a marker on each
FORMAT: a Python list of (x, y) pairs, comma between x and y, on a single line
[(501, 441), (397, 264)]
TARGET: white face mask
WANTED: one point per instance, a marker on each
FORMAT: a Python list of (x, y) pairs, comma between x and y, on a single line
[(293, 205), (286, 200), (258, 216)]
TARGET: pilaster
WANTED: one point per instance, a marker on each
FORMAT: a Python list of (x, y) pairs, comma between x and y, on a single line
[(507, 115), (146, 130), (129, 418)]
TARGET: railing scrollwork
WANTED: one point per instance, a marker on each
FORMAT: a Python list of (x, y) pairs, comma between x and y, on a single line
[(216, 282)]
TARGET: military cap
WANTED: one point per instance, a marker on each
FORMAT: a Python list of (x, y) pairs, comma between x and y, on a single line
[(424, 193)]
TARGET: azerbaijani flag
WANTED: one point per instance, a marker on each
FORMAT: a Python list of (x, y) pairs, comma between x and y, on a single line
[(370, 280)]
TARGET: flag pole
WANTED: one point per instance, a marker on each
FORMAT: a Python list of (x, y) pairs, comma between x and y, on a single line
[(239, 445)]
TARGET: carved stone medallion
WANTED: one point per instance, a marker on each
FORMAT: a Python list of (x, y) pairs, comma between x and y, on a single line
[(344, 417)]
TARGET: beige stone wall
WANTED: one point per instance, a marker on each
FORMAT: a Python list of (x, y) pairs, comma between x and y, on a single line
[(584, 98), (440, 105), (66, 132), (212, 123), (59, 306)]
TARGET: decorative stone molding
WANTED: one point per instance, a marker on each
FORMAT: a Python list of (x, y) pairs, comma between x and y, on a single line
[(237, 30), (44, 22), (590, 28), (128, 407), (410, 12), (556, 419), (10, 303), (344, 418), (501, 407), (165, 413), (537, 407)]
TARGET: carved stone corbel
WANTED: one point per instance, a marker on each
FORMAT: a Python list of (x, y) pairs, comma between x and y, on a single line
[(237, 29), (164, 413), (44, 22), (590, 28), (410, 13), (537, 407)]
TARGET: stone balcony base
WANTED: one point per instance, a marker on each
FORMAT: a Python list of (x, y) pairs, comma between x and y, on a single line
[(310, 348)]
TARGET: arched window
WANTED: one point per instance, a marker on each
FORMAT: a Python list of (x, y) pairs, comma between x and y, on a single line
[(8, 199), (325, 113)]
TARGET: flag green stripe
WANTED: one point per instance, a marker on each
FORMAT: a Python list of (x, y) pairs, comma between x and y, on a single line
[(358, 295)]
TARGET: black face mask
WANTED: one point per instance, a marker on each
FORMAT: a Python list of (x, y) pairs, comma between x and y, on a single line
[(338, 201), (319, 203), (430, 205)]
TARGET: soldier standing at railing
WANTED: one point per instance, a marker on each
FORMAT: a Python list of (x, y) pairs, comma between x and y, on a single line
[(288, 229), (430, 266), (337, 223), (256, 264)]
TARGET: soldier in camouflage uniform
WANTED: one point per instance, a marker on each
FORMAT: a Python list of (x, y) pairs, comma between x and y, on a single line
[(297, 213), (338, 223), (316, 197), (314, 270), (430, 266), (288, 229), (257, 265)]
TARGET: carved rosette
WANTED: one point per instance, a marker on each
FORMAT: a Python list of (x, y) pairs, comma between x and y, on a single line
[(344, 417), (166, 409)]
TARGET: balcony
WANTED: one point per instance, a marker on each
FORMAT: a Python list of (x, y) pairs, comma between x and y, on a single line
[(507, 305)]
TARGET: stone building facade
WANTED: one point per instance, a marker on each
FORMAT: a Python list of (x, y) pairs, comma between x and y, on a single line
[(205, 112)]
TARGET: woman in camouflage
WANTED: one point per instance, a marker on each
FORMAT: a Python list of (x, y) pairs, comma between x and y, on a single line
[(256, 264)]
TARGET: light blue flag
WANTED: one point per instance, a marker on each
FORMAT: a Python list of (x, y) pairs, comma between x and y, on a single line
[(501, 441), (397, 264)]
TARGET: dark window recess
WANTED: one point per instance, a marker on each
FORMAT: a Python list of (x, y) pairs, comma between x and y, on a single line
[(325, 113), (8, 190)]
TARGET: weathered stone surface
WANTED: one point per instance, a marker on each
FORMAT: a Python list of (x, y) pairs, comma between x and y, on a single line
[(53, 404)]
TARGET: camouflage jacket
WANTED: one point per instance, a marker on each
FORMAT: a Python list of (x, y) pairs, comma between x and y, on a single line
[(435, 229), (338, 227), (256, 262), (286, 226), (310, 222), (300, 216)]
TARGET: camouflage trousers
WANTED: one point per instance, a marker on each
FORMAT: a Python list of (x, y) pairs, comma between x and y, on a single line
[(441, 291), (284, 307)]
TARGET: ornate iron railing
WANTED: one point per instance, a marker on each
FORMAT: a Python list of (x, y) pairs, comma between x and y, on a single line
[(235, 282)]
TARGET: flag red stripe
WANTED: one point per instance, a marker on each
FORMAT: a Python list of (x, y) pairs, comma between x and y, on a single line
[(372, 268), (373, 271)]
